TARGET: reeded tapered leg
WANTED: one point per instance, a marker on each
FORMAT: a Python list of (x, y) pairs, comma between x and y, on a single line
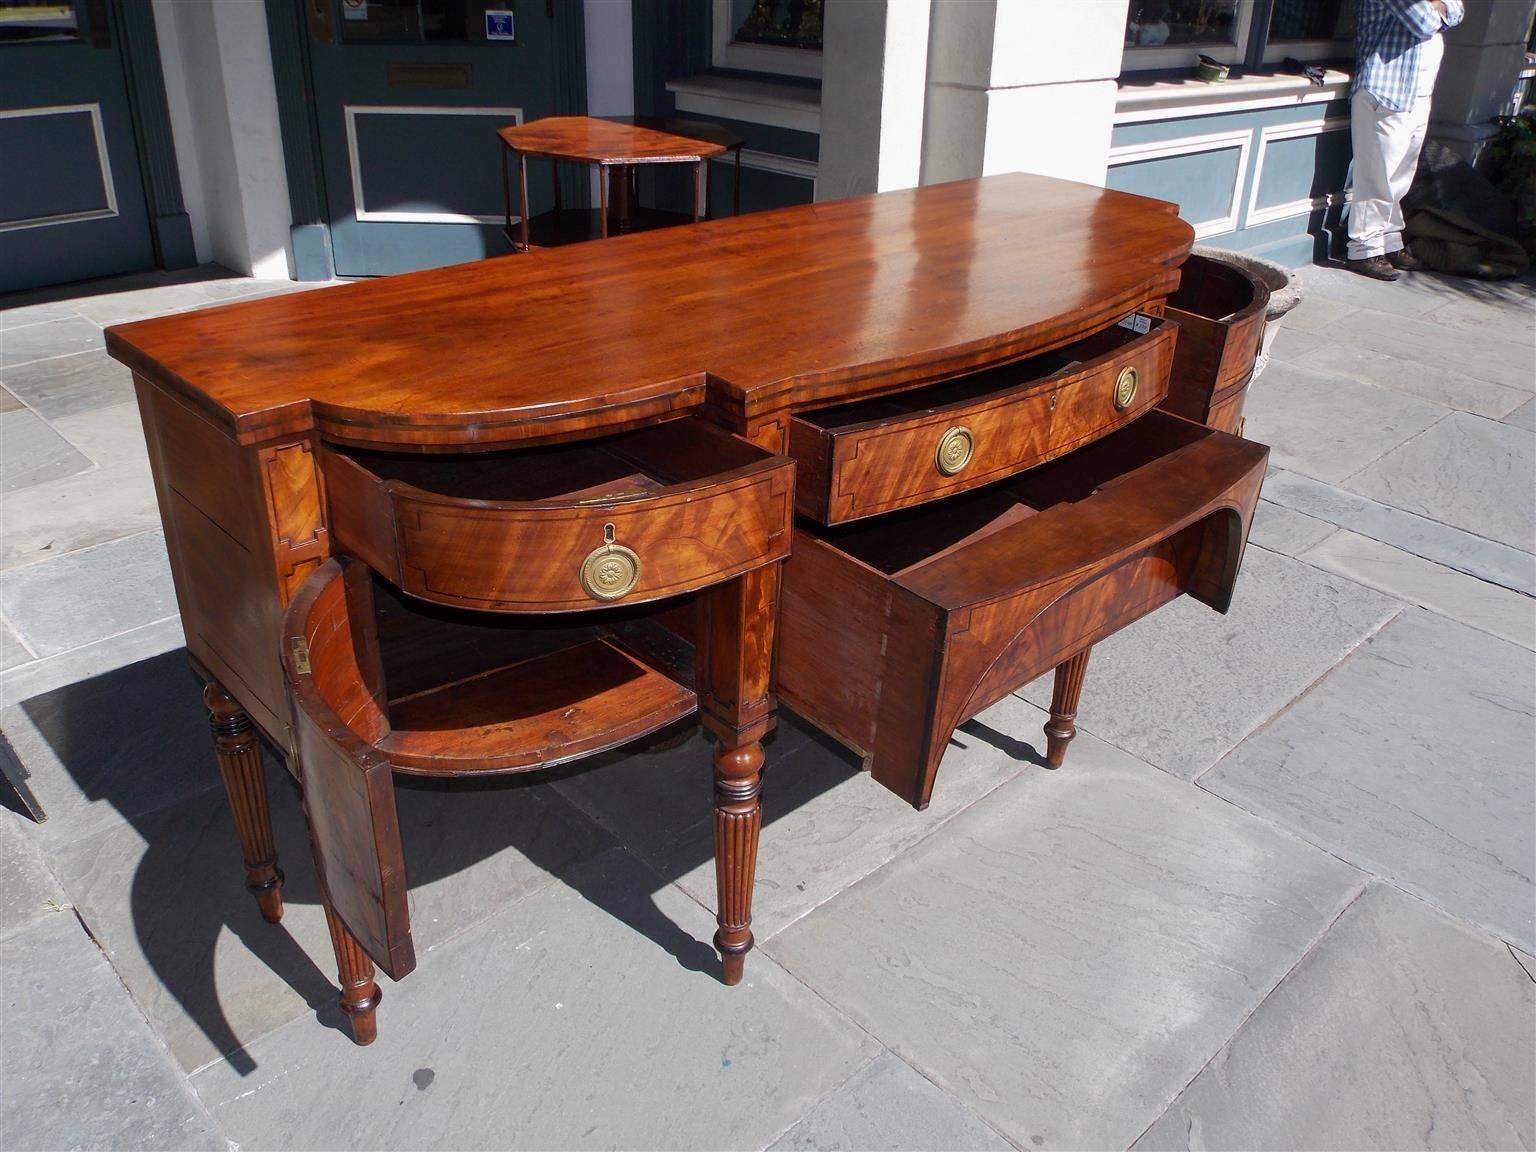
[(234, 740), (360, 994), (1062, 725), (738, 817)]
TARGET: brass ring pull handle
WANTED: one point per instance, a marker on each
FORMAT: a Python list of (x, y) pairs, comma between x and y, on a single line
[(610, 571), (954, 451), (1125, 387)]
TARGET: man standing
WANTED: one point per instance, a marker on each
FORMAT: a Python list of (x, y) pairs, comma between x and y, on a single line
[(1398, 48)]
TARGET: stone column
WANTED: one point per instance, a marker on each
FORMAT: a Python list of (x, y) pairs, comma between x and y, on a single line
[(1021, 86), (875, 63), (1483, 54)]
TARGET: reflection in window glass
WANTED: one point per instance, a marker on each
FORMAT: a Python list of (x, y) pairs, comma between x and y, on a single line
[(1154, 23), (788, 23), (413, 21), (1313, 20), (33, 20)]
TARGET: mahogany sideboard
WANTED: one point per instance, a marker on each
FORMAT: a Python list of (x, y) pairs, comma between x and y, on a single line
[(884, 459)]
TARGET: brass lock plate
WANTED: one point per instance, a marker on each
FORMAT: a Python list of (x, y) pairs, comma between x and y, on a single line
[(1125, 387), (610, 571), (955, 449)]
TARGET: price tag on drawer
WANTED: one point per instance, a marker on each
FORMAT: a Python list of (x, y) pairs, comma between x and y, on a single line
[(1138, 322)]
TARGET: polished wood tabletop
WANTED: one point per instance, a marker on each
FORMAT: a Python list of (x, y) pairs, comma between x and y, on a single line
[(594, 141), (778, 309)]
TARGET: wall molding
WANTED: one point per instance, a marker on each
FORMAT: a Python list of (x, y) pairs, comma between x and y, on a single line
[(350, 112), (1318, 127), (109, 188), (1240, 139)]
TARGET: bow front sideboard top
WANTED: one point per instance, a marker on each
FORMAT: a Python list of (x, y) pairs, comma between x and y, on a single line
[(884, 460)]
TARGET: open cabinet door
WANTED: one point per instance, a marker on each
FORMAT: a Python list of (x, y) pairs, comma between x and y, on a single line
[(330, 660)]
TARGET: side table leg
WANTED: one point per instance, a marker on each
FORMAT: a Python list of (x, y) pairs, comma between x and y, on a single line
[(1062, 725), (360, 994), (235, 743), (738, 818)]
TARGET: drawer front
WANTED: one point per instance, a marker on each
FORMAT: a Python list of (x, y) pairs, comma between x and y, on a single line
[(701, 507), (882, 466), (569, 559)]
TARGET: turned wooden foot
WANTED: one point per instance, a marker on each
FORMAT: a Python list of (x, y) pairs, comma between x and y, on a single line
[(738, 817), (1062, 725), (360, 994), (235, 743)]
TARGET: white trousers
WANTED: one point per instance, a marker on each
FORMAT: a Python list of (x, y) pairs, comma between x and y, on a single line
[(1387, 148)]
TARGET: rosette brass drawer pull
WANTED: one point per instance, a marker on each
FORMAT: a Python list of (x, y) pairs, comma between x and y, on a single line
[(610, 571), (955, 449)]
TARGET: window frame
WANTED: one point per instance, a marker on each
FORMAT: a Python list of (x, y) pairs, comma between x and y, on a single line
[(726, 52), (1134, 59), (1254, 49)]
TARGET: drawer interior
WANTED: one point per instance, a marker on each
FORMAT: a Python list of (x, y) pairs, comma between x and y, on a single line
[(626, 466), (963, 390), (1214, 290), (903, 543)]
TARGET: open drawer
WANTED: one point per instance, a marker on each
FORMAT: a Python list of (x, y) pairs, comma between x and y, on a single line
[(627, 518), (1220, 310), (895, 632), (893, 452), (378, 684)]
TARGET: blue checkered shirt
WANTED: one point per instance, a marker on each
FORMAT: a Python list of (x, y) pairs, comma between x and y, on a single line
[(1387, 38)]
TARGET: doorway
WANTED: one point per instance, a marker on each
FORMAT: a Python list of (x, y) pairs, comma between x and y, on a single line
[(408, 95)]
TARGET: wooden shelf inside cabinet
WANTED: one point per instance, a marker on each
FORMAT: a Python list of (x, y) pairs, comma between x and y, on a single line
[(438, 695)]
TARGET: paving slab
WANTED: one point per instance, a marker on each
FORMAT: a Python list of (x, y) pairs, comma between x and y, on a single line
[(8, 401), (165, 897), (1316, 311), (1401, 1029), (141, 303), (79, 1067), (1508, 362), (826, 823), (28, 891), (113, 437), (1413, 760), (1065, 955), (1523, 416), (1413, 295), (1328, 427), (15, 317), (1293, 343), (1511, 319), (33, 453), (588, 1015), (1439, 385), (12, 651), (1486, 559), (68, 385), (888, 1106), (103, 751), (1180, 687), (22, 345), (39, 676), (126, 583), (107, 503), (1488, 607), (1475, 474), (1286, 531)]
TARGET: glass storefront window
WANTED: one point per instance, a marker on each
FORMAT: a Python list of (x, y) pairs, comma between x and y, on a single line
[(1165, 23), (1313, 20), (32, 21), (786, 23), (414, 21)]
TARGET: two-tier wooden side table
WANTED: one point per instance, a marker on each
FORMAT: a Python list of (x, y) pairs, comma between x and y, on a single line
[(617, 148), (883, 460)]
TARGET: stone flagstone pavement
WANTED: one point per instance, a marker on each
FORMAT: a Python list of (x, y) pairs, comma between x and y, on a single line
[(1281, 896)]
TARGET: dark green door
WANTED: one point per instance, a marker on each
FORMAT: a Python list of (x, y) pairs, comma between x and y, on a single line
[(71, 200), (408, 97)]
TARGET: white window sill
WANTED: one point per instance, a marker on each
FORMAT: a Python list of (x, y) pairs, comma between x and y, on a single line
[(790, 106), (1165, 99)]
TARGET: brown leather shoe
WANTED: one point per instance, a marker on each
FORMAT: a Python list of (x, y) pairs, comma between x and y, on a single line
[(1404, 261), (1376, 267)]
